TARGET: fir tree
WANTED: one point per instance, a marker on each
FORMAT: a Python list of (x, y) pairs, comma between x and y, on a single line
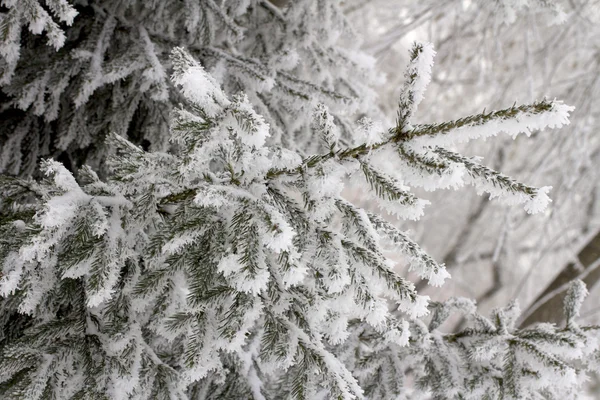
[(232, 268), (73, 71)]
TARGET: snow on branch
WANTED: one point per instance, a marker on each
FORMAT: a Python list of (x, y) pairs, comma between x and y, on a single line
[(38, 20), (500, 186), (514, 120), (421, 262), (196, 84), (576, 293), (416, 78), (231, 260)]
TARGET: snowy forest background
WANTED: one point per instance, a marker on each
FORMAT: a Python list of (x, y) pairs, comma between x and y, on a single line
[(494, 53), (482, 61), (74, 73)]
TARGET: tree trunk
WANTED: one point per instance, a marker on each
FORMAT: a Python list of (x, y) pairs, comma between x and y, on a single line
[(548, 306)]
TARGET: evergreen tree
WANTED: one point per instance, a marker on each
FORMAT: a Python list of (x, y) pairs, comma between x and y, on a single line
[(231, 269), (73, 71), (231, 266)]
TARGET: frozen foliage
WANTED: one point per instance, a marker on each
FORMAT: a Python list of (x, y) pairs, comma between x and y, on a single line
[(229, 268), (73, 71), (495, 252), (416, 79), (488, 359)]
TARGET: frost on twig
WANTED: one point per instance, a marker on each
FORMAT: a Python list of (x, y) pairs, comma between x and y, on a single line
[(231, 263)]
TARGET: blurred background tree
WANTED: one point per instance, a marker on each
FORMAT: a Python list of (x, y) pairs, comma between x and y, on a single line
[(493, 53)]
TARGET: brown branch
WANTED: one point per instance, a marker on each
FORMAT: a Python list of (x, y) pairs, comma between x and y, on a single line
[(551, 309)]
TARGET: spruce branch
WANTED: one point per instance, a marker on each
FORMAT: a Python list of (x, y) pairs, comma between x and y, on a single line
[(207, 273), (499, 185), (227, 21), (550, 113), (362, 226), (543, 356), (576, 293), (539, 115), (422, 262), (386, 186), (403, 289), (493, 177), (481, 119), (416, 78), (431, 165), (324, 127)]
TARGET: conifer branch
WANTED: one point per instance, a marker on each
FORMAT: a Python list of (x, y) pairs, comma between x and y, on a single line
[(431, 165), (556, 116), (416, 79), (489, 124), (480, 171), (425, 266), (199, 272), (385, 186), (499, 185)]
